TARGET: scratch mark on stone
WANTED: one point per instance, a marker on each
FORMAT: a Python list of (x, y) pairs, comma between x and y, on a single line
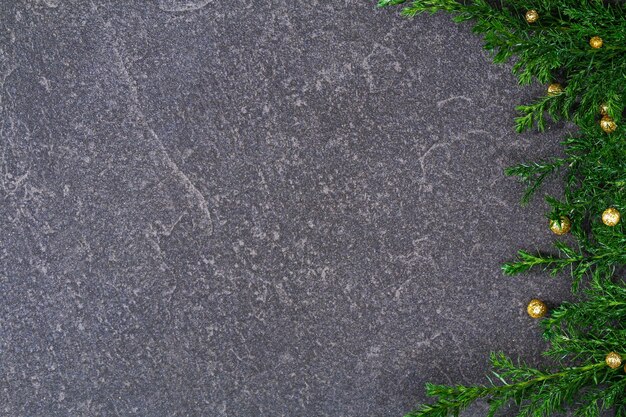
[(182, 5), (432, 147), (442, 103), (4, 80), (168, 232), (370, 77), (190, 188)]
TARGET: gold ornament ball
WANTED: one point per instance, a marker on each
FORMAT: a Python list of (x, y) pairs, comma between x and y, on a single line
[(596, 42), (555, 89), (532, 16), (561, 226), (537, 308), (607, 124), (611, 216), (604, 109), (613, 360)]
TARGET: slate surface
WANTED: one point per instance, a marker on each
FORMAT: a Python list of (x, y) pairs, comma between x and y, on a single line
[(260, 208)]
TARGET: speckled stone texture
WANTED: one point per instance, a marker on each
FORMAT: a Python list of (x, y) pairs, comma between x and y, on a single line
[(256, 208)]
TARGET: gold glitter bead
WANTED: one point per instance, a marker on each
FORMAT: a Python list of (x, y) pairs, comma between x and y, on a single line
[(561, 226), (613, 360), (596, 42), (607, 124), (555, 89), (604, 109), (537, 308), (532, 16), (611, 216)]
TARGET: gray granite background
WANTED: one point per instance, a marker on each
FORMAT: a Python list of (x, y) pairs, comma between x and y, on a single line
[(255, 208)]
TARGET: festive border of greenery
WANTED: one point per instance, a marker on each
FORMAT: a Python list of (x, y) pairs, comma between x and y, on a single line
[(579, 48)]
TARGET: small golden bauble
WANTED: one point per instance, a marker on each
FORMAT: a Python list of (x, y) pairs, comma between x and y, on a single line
[(596, 42), (532, 16), (613, 360), (611, 216), (555, 89), (562, 226), (607, 124), (537, 308), (604, 109)]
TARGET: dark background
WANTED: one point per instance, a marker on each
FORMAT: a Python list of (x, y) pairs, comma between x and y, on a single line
[(256, 208)]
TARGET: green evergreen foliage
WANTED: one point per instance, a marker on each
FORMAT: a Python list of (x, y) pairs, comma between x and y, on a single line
[(556, 49), (553, 49)]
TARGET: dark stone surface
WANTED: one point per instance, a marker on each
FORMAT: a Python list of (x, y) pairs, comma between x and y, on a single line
[(255, 208)]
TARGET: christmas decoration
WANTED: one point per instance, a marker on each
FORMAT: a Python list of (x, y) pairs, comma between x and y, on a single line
[(579, 333), (532, 16), (555, 89), (537, 308), (604, 109), (613, 360), (561, 226), (607, 124), (596, 42), (611, 216)]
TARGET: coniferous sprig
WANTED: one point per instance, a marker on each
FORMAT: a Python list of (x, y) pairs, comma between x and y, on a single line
[(535, 392), (595, 179), (555, 48), (584, 332), (534, 174), (589, 328)]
